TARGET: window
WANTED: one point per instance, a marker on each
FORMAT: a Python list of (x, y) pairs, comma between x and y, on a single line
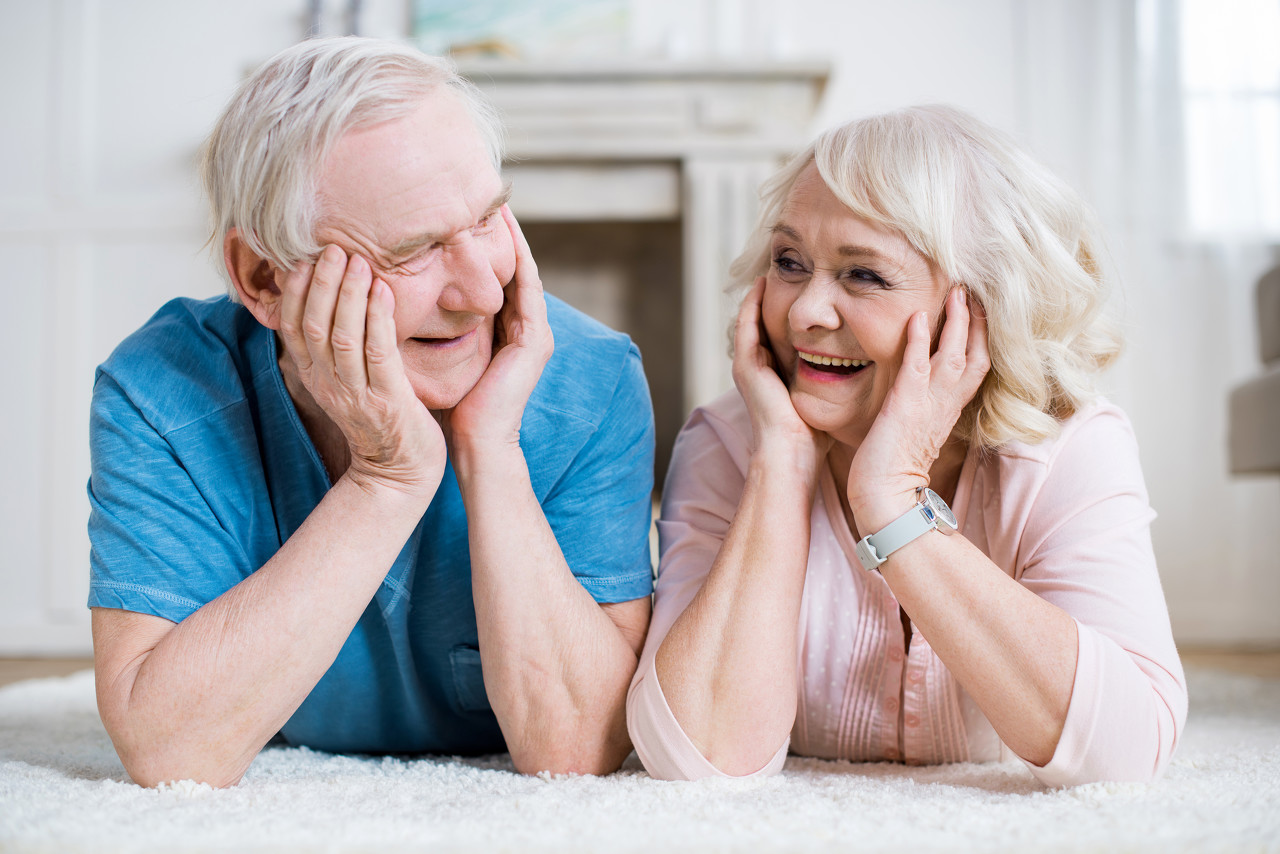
[(1229, 57)]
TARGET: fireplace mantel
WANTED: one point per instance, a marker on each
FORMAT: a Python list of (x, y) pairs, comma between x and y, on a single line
[(643, 141)]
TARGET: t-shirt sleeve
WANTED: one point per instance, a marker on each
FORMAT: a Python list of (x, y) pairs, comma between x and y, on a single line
[(156, 546), (1086, 548), (602, 508), (700, 498)]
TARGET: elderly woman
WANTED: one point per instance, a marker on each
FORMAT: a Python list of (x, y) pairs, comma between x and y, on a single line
[(922, 324)]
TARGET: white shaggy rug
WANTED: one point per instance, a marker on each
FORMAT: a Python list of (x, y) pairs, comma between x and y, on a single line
[(63, 790)]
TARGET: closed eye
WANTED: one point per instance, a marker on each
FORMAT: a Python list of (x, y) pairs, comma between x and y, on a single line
[(418, 261)]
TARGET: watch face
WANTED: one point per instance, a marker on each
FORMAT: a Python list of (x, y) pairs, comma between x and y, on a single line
[(940, 509)]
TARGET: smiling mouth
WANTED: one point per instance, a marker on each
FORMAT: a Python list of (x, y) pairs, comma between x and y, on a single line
[(441, 342), (831, 365)]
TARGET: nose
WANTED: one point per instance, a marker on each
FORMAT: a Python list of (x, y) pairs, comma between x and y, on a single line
[(471, 286), (814, 307)]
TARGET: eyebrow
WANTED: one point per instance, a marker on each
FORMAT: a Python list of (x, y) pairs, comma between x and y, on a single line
[(410, 245), (847, 251)]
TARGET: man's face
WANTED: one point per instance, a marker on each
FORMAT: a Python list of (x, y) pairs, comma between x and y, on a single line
[(418, 198)]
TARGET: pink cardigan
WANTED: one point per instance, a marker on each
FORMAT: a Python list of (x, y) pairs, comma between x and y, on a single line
[(1068, 518)]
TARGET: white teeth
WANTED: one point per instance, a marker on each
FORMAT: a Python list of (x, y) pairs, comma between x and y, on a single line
[(827, 360)]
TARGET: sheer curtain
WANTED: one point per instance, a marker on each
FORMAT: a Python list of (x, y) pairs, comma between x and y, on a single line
[(1165, 115)]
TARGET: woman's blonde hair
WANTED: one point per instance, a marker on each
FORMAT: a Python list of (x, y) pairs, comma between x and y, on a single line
[(1021, 242)]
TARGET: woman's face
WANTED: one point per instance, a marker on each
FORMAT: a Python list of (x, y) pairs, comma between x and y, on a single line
[(837, 298)]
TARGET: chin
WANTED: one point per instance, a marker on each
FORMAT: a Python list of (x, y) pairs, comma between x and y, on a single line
[(818, 414), (824, 416), (437, 396)]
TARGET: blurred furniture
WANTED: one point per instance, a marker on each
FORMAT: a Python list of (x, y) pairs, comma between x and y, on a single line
[(1254, 408)]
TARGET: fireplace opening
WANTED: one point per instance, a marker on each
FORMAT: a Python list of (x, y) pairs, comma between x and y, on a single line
[(628, 275)]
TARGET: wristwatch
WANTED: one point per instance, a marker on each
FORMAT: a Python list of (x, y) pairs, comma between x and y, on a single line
[(931, 513)]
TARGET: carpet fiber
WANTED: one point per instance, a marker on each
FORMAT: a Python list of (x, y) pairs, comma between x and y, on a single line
[(62, 789)]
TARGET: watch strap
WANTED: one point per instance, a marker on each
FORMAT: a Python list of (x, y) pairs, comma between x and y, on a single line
[(874, 549)]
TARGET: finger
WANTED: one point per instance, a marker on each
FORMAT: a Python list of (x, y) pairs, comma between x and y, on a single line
[(977, 353), (349, 320), (950, 356), (293, 300), (523, 319), (526, 273), (322, 299), (915, 357), (381, 350), (746, 334), (907, 403)]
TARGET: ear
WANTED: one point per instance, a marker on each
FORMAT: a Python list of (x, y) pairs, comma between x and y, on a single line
[(254, 279)]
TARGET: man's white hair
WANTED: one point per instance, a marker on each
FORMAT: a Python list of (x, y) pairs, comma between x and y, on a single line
[(261, 164)]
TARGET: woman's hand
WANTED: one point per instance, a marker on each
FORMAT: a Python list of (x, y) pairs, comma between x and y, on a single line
[(338, 325), (919, 413), (523, 344), (755, 373)]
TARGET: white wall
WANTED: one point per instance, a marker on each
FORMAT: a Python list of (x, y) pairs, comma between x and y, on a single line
[(100, 222)]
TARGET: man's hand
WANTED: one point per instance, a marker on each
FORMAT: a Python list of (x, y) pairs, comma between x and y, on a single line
[(493, 409), (338, 326)]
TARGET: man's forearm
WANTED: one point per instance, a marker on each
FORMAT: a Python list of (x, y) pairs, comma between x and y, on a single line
[(203, 700), (556, 667)]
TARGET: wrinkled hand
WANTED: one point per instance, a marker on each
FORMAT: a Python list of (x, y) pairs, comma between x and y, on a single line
[(919, 413), (523, 344), (755, 373), (338, 325)]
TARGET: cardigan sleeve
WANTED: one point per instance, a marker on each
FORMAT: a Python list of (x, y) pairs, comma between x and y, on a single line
[(704, 485), (1086, 547)]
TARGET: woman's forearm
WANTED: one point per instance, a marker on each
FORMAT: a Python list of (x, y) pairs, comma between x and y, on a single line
[(727, 668), (1014, 653)]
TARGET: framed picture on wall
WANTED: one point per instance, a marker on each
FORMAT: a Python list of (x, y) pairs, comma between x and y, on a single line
[(546, 30)]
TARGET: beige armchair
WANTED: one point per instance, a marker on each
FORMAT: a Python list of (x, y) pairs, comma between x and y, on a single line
[(1254, 408)]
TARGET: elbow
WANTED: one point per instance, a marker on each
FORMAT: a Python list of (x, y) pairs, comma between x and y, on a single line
[(1124, 720), (1113, 772), (152, 774), (667, 753), (582, 744), (567, 757), (1135, 748), (149, 761), (149, 767)]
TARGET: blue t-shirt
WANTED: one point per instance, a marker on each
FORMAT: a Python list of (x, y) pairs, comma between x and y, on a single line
[(201, 470)]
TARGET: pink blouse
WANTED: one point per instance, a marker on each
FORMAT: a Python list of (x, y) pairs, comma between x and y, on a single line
[(1068, 518)]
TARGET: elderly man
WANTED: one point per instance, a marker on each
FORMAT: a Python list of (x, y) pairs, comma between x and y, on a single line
[(361, 505)]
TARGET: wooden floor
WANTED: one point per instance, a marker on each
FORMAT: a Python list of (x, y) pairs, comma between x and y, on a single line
[(1254, 662), (17, 669)]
